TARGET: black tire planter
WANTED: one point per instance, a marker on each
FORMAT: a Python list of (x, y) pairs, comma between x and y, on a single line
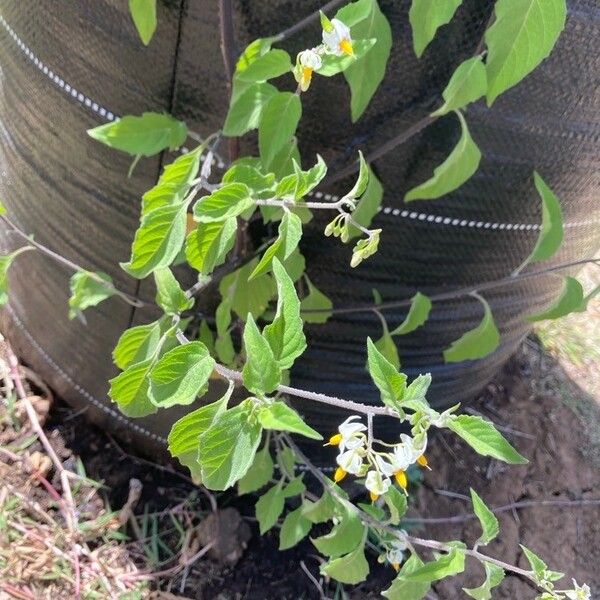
[(68, 66)]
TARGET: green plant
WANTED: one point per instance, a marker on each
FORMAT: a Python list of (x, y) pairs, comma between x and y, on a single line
[(161, 367)]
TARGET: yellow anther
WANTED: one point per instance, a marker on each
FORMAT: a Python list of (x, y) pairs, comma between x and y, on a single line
[(346, 47), (339, 474), (401, 479), (422, 460), (373, 496), (396, 566), (334, 440)]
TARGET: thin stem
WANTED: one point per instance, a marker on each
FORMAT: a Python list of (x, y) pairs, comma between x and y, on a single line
[(315, 205), (70, 264), (300, 25)]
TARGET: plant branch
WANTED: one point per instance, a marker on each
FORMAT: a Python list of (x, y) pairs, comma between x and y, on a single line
[(300, 25)]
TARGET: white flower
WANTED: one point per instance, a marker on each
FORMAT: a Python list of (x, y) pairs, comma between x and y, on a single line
[(306, 62), (395, 553), (350, 461), (338, 40), (376, 483), (416, 445), (580, 592), (351, 433)]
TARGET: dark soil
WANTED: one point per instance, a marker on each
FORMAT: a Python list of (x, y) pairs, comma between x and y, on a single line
[(524, 399)]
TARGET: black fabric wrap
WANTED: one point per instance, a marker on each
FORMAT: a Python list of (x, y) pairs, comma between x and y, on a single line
[(73, 193)]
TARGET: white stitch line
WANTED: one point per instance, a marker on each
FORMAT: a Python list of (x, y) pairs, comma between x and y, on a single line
[(111, 412)]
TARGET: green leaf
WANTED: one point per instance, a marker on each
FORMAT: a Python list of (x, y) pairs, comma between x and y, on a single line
[(129, 390), (208, 245), (368, 205), (89, 289), (261, 371), (458, 168), (386, 345), (142, 136), (169, 295), (426, 17), (285, 334), (315, 300), (414, 395), (247, 296), (420, 308), (138, 343), (485, 439), (354, 12), (250, 176), (246, 110), (487, 519), (227, 448), (539, 567), (396, 503), (478, 342), (252, 53), (343, 537), (294, 487), (401, 589), (272, 64), (445, 566), (467, 84), (280, 417), (259, 474), (286, 460), (228, 201), (278, 123), (351, 568), (181, 375), (143, 13), (570, 300), (295, 528), (551, 234), (269, 508), (390, 383), (320, 511), (522, 35), (366, 73), (358, 189), (334, 65), (297, 185), (493, 577), (2, 209), (184, 437), (158, 240)]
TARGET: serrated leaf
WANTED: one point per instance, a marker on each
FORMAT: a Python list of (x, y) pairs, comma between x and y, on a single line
[(445, 566), (280, 417), (522, 35), (467, 84), (493, 577), (458, 168), (143, 13), (418, 313), (343, 537), (230, 200), (271, 64), (485, 439), (552, 232), (227, 448), (285, 334), (129, 390), (278, 123), (184, 437), (208, 245), (269, 508), (478, 342), (401, 589), (169, 295), (137, 344), (146, 135), (250, 176), (426, 17), (299, 183), (366, 73), (351, 568), (315, 300), (570, 300), (259, 474), (368, 206), (247, 108), (487, 519), (295, 527), (261, 372), (385, 376), (89, 289), (414, 395), (158, 240)]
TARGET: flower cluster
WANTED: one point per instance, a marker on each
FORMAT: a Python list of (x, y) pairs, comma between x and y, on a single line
[(337, 41), (579, 592), (358, 457)]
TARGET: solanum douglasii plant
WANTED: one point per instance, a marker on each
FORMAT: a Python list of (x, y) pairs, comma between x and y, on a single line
[(197, 216)]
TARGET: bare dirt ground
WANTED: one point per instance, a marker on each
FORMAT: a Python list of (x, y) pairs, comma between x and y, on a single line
[(544, 402)]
